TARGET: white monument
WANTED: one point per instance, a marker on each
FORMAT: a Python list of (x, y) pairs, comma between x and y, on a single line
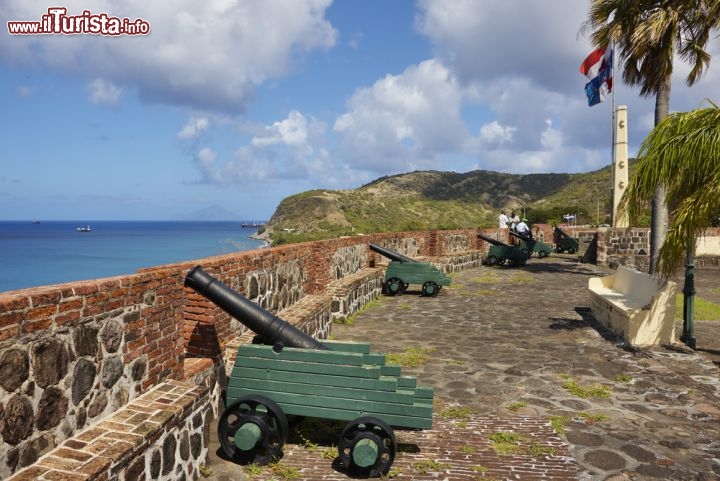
[(620, 164)]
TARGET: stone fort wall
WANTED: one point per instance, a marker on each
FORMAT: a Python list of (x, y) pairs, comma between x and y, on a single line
[(73, 355)]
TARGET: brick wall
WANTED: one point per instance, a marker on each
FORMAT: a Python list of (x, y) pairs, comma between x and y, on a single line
[(71, 354)]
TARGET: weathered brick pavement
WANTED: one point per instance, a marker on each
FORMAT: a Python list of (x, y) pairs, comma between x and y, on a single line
[(508, 344)]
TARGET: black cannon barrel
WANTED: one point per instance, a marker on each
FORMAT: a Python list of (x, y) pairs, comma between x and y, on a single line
[(562, 232), (264, 323), (491, 240), (520, 236), (394, 256)]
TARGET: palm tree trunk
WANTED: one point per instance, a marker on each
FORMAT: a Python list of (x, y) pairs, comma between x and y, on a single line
[(659, 214)]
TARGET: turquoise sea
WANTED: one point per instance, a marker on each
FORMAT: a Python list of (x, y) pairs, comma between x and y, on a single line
[(51, 252)]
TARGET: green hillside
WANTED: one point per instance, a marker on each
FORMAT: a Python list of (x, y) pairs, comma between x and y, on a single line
[(440, 200)]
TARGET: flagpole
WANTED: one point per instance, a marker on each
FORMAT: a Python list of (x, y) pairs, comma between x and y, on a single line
[(612, 136)]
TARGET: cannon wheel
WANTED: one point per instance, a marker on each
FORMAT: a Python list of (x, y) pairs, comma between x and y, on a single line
[(492, 260), (543, 254), (559, 249), (430, 289), (367, 447), (394, 286), (571, 250), (502, 261), (253, 429)]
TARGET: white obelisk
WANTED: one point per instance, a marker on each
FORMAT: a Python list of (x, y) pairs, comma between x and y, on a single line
[(620, 164)]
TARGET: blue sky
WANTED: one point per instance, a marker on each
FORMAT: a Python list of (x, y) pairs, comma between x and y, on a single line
[(239, 103)]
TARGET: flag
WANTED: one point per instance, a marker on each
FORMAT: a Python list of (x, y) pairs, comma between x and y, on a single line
[(598, 67)]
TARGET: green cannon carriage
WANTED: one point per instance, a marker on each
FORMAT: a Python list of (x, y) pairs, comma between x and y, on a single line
[(501, 253), (403, 271), (564, 242), (285, 373), (530, 246)]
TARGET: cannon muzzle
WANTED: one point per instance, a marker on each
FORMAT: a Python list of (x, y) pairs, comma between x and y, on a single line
[(492, 241), (393, 256), (268, 326)]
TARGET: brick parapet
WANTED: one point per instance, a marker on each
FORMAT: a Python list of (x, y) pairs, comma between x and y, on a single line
[(160, 435), (117, 337)]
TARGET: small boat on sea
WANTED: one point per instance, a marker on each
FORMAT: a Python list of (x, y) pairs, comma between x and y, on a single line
[(252, 224), (83, 228)]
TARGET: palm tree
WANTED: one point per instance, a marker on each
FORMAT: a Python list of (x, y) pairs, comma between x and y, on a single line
[(681, 154), (648, 34)]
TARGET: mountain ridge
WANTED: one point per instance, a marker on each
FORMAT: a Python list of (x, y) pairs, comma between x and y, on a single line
[(432, 199)]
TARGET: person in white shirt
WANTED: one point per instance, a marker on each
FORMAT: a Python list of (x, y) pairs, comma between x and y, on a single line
[(502, 220), (522, 228)]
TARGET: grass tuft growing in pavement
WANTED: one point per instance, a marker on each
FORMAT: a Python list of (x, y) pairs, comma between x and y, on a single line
[(585, 392), (428, 465), (411, 357), (593, 418), (558, 423), (456, 412), (510, 442), (514, 406), (507, 442)]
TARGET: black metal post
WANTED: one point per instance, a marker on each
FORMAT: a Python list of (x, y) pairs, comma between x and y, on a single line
[(688, 336)]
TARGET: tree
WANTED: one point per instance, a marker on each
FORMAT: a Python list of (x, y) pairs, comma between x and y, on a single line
[(648, 34), (682, 154)]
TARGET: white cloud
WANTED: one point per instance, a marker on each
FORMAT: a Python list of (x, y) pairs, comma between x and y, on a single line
[(291, 148), (195, 127), (104, 92), (494, 133), (206, 55), (403, 121), (291, 131), (489, 39)]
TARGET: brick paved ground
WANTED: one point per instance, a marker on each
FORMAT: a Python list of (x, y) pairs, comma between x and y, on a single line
[(504, 344)]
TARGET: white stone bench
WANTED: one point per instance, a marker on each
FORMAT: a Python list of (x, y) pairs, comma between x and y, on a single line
[(637, 306)]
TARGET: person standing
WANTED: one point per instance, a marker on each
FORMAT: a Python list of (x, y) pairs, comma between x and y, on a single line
[(502, 220), (514, 221), (523, 229)]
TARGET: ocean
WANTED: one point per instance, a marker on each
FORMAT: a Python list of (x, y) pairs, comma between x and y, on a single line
[(51, 252)]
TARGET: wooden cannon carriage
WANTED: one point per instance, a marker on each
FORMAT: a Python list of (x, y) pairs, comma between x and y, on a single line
[(530, 246), (403, 271), (288, 373), (564, 242)]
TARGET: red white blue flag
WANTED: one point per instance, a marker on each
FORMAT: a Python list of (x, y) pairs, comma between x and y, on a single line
[(598, 67)]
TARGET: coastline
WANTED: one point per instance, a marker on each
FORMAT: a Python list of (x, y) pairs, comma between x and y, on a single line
[(264, 237)]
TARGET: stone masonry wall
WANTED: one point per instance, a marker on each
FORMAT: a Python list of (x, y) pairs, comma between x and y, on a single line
[(74, 353), (162, 435)]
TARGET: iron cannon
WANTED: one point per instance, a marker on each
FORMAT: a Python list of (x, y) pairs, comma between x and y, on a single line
[(403, 271), (271, 329), (564, 242), (529, 245), (322, 379), (501, 253)]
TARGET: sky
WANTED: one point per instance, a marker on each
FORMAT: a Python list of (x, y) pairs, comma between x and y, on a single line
[(229, 106)]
